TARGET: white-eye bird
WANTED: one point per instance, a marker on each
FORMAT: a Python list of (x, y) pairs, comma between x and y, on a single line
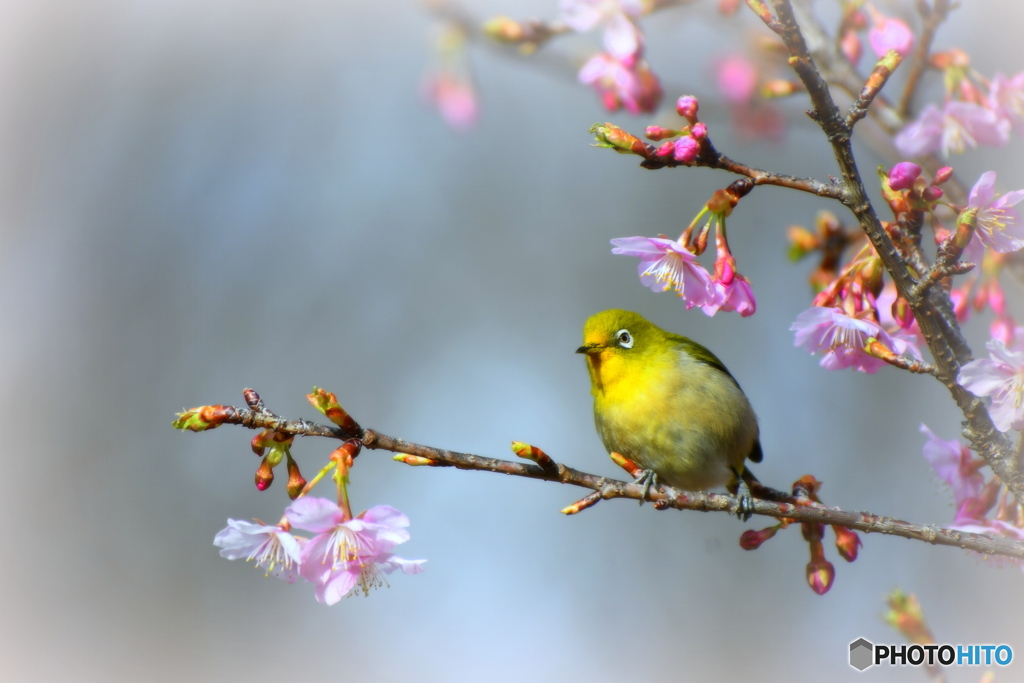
[(669, 405)]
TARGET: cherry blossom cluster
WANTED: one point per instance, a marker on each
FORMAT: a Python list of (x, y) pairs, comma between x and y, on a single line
[(346, 554), (857, 320), (619, 74), (976, 110), (667, 264)]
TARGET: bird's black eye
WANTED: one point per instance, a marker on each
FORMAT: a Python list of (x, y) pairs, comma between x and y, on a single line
[(625, 339)]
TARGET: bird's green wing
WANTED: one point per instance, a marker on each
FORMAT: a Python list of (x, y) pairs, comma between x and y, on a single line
[(702, 354)]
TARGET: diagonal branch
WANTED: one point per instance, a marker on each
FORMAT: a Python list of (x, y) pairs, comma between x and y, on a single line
[(209, 417), (931, 309)]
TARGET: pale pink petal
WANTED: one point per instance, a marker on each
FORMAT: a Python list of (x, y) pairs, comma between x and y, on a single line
[(580, 15), (407, 566), (336, 586), (923, 135), (314, 514), (983, 190), (983, 377), (621, 37)]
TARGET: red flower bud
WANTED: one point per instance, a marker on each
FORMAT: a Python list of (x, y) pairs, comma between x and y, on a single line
[(751, 539), (296, 482), (847, 542), (264, 475)]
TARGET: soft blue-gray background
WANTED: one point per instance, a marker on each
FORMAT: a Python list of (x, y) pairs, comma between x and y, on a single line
[(199, 196)]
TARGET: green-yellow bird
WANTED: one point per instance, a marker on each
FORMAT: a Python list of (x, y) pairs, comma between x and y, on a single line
[(669, 405)]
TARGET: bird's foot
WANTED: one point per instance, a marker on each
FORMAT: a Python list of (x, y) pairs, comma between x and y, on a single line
[(745, 504), (647, 479)]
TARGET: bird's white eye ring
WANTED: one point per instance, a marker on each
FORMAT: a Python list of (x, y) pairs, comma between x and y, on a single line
[(624, 338)]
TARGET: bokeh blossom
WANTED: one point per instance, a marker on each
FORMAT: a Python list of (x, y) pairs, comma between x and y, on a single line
[(737, 79), (888, 33), (622, 38), (1006, 96), (454, 97), (270, 547), (1000, 376), (998, 226), (628, 84), (952, 462), (956, 127)]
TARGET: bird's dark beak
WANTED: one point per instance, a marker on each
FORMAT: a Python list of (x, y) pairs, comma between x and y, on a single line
[(587, 348)]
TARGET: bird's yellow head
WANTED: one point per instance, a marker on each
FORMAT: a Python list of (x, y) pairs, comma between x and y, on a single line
[(617, 345)]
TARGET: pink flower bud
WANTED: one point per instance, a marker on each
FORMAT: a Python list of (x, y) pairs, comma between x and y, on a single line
[(942, 175), (296, 482), (686, 106), (666, 149), (699, 131), (686, 150), (264, 476), (903, 175), (932, 193)]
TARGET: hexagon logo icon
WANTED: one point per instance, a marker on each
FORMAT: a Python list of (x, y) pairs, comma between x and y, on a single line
[(861, 654)]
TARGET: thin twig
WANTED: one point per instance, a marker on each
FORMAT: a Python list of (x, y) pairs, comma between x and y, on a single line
[(931, 20)]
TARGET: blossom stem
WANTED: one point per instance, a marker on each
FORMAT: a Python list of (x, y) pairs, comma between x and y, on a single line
[(315, 480), (341, 477)]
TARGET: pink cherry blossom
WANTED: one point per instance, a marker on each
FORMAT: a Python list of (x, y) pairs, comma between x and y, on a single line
[(889, 34), (347, 555), (952, 461), (1000, 376), (957, 126), (737, 296), (270, 547), (841, 339), (998, 226), (667, 264), (1006, 96), (628, 84), (622, 38)]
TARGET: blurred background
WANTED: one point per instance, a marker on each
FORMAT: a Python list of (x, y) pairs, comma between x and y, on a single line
[(201, 196)]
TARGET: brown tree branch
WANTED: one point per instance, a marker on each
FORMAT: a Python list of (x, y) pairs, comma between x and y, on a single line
[(209, 417), (932, 308)]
